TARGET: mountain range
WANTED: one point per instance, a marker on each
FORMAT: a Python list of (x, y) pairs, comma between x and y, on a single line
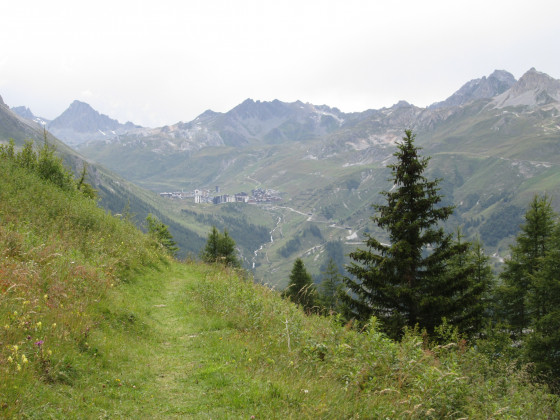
[(494, 143)]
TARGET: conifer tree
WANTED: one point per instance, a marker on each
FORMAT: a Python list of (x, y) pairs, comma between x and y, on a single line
[(471, 270), (524, 263), (543, 343), (220, 248), (330, 286), (160, 232), (300, 290), (406, 282)]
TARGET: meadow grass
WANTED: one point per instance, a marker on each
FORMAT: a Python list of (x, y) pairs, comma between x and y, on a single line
[(96, 322)]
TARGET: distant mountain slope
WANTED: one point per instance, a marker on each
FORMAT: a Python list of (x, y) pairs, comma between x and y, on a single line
[(26, 113)]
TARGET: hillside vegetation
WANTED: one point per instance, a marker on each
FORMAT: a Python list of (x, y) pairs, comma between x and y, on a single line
[(96, 321)]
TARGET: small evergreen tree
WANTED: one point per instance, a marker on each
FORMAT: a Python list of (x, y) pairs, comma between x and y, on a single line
[(220, 248), (472, 277), (160, 233), (300, 290), (330, 286), (406, 282)]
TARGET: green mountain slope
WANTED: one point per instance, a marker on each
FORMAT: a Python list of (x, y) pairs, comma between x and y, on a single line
[(95, 321), (115, 193)]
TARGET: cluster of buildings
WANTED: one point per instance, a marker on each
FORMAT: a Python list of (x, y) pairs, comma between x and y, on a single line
[(258, 195)]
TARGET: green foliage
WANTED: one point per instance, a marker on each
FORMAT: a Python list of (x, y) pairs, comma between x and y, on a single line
[(47, 165), (543, 303), (525, 261), (330, 288), (322, 369), (160, 232), (408, 281), (220, 248), (300, 289), (473, 279)]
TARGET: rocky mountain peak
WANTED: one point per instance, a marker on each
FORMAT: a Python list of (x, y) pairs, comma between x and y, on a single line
[(534, 88), (484, 88), (81, 117), (23, 112), (2, 101)]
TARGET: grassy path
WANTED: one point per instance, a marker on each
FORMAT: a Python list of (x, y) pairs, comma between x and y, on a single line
[(173, 360)]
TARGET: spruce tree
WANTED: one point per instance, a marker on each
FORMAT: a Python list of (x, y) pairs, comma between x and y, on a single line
[(300, 290), (406, 282), (524, 263), (543, 343)]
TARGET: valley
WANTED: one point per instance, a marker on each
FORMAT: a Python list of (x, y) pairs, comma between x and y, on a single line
[(495, 143)]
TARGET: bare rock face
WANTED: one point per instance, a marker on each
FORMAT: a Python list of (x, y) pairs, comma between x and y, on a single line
[(2, 101), (534, 88), (484, 88)]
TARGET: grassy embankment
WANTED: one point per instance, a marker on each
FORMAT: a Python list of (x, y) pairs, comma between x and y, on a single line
[(96, 322)]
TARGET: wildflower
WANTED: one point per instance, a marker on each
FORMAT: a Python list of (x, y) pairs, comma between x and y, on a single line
[(10, 359), (18, 367), (6, 327), (39, 343), (45, 296), (39, 324), (54, 325), (16, 348), (25, 302), (23, 359), (49, 352)]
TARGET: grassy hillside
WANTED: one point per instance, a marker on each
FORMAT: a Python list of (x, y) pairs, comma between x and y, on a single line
[(96, 322)]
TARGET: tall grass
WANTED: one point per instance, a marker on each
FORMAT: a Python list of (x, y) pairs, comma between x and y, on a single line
[(323, 369), (59, 253)]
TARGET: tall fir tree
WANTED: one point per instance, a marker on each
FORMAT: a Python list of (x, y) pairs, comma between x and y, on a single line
[(543, 342), (300, 290), (407, 282), (524, 263)]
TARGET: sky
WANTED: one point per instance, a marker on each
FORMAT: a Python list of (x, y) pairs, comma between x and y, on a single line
[(159, 62)]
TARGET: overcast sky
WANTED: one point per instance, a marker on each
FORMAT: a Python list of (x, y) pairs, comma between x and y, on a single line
[(160, 62)]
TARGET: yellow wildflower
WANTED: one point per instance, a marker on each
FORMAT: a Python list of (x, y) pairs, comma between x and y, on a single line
[(18, 367), (23, 359)]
